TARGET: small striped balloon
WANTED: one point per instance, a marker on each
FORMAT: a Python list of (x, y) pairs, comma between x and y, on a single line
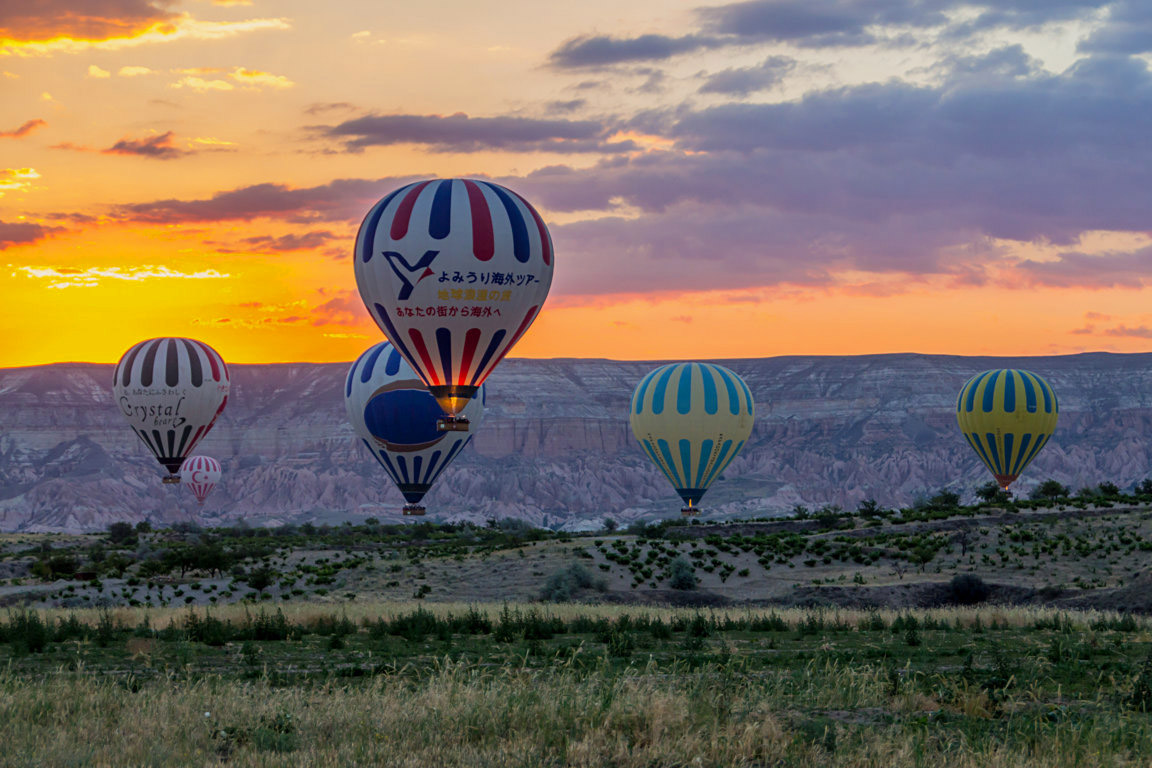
[(200, 475), (171, 391), (1007, 416), (692, 419), (395, 417), (454, 271)]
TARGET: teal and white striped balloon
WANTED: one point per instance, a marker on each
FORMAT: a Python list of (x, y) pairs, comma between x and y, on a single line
[(692, 419)]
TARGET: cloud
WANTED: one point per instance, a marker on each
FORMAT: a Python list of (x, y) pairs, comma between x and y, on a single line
[(339, 200), (133, 71), (746, 80), (1127, 30), (1139, 332), (97, 73), (1109, 270), (290, 242), (461, 133), (195, 78), (16, 179), (201, 85), (71, 277), (89, 20), (346, 308), (604, 50), (23, 130), (256, 79), (157, 147), (72, 26), (23, 233)]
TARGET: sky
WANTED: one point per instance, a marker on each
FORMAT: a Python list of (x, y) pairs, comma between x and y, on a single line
[(747, 179)]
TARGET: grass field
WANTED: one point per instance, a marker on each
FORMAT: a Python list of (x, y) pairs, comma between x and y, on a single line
[(582, 685)]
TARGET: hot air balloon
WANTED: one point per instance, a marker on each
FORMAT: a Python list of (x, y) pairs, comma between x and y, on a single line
[(395, 416), (453, 271), (1007, 416), (200, 473), (171, 390), (692, 419)]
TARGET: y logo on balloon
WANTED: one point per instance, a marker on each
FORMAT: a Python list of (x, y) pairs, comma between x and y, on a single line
[(404, 270)]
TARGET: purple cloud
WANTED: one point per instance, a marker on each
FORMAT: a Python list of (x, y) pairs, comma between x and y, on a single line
[(23, 130), (1111, 270), (78, 19), (461, 133), (339, 200), (22, 233), (156, 147), (746, 80), (1128, 30), (589, 51)]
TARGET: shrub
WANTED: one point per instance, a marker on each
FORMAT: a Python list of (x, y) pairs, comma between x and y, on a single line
[(560, 586), (681, 573), (968, 589)]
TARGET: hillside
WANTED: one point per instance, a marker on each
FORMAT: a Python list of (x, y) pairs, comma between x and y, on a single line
[(556, 449)]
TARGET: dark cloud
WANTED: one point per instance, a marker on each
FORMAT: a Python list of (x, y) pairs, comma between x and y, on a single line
[(1009, 61), (1110, 270), (41, 20), (743, 81), (566, 107), (1024, 14), (23, 130), (604, 50), (1128, 30), (22, 233), (291, 242), (156, 147), (339, 200), (330, 106), (1139, 332), (817, 23), (461, 133)]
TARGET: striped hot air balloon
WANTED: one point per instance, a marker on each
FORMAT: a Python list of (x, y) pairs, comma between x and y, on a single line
[(1007, 416), (200, 473), (394, 415), (454, 271), (692, 419), (171, 390)]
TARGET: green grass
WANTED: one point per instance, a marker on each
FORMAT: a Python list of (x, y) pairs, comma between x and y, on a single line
[(539, 685)]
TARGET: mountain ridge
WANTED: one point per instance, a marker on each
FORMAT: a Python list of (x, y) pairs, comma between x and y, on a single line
[(830, 430)]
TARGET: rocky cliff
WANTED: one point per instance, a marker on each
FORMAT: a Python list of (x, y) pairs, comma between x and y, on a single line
[(555, 448)]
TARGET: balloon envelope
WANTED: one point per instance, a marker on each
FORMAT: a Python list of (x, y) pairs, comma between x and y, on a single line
[(454, 271), (1007, 416), (394, 415), (200, 475), (692, 419), (171, 390)]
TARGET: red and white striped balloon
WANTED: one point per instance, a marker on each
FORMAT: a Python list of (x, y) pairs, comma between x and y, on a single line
[(454, 271), (200, 474)]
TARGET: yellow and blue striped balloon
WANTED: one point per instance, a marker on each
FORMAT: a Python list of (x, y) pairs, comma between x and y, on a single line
[(692, 419), (1007, 416)]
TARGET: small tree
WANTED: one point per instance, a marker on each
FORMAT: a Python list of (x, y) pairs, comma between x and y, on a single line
[(946, 499), (610, 525), (868, 508), (1051, 489), (1144, 487), (682, 574), (121, 534), (260, 579), (991, 493), (143, 527), (1109, 490)]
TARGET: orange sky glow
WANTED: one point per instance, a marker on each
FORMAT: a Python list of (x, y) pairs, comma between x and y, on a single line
[(200, 169)]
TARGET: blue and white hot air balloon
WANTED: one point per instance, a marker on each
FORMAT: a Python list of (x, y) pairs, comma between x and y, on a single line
[(692, 419), (454, 271), (395, 416)]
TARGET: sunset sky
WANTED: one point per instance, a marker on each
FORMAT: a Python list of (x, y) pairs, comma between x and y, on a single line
[(733, 180)]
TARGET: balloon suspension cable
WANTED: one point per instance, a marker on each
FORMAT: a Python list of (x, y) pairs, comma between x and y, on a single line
[(172, 479), (452, 424), (690, 511), (413, 510)]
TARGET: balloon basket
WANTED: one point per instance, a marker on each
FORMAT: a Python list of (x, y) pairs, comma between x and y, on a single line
[(413, 510), (452, 424), (689, 512), (172, 480)]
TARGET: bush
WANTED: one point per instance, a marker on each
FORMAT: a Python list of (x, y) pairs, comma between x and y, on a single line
[(969, 589), (681, 574), (560, 586)]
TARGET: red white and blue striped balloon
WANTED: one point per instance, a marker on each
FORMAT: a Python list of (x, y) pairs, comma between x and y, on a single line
[(200, 475), (171, 390), (454, 271)]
